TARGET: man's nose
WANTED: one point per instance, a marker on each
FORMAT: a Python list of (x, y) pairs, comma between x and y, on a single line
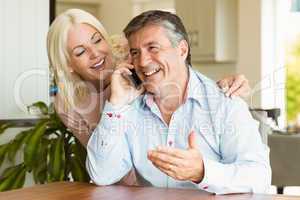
[(144, 59)]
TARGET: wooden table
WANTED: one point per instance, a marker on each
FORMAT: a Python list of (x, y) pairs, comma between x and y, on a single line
[(84, 191)]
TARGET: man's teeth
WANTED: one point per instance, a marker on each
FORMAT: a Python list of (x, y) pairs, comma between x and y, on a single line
[(98, 64), (151, 72)]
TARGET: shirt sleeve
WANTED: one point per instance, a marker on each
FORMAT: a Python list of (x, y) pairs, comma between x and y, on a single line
[(108, 153), (244, 164)]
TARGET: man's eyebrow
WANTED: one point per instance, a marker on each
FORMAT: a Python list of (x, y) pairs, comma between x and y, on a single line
[(133, 49), (152, 43), (147, 44)]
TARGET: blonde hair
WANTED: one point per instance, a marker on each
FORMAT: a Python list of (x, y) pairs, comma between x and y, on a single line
[(70, 85)]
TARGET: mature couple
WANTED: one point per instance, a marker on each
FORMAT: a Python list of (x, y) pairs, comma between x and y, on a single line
[(177, 130)]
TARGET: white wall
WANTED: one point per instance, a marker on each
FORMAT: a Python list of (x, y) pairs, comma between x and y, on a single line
[(249, 31), (261, 51), (23, 58), (115, 14), (216, 71)]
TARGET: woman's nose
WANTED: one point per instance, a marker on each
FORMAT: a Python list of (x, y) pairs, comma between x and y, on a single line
[(94, 53)]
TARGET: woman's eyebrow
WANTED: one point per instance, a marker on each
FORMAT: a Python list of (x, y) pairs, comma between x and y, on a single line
[(94, 35)]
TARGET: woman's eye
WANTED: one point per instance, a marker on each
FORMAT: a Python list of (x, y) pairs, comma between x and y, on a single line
[(78, 52), (97, 40)]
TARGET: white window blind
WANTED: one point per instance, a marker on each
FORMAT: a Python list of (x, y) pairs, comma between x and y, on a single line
[(23, 56)]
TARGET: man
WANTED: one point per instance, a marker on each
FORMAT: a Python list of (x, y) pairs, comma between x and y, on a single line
[(183, 132)]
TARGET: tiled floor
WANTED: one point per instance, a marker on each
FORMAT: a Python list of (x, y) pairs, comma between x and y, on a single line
[(287, 190)]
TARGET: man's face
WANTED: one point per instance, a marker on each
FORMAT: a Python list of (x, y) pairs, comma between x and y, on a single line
[(156, 61)]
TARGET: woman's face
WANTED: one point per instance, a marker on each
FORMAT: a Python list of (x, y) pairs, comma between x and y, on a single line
[(90, 54)]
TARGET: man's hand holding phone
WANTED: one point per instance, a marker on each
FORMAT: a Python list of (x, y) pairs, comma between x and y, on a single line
[(124, 85)]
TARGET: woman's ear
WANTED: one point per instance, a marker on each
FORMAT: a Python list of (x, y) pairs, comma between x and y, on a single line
[(70, 67), (183, 48)]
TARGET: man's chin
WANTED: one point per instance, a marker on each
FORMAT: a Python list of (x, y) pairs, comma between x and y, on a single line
[(151, 86)]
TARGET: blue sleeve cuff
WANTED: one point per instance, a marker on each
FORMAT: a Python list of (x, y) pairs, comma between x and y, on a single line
[(212, 176)]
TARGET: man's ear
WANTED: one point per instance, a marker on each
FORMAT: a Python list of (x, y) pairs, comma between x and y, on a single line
[(183, 48)]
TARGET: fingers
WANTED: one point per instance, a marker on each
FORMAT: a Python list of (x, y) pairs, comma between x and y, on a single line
[(119, 76), (125, 65), (237, 83), (223, 84), (243, 90), (179, 153), (192, 140), (122, 70), (161, 164), (167, 164), (166, 171), (174, 167), (164, 160), (170, 172)]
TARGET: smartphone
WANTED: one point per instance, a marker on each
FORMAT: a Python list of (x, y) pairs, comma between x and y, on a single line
[(136, 81)]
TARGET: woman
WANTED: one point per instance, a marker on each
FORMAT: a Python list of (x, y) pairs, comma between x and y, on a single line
[(82, 57)]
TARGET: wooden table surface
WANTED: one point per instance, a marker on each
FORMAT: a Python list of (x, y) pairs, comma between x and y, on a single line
[(84, 191)]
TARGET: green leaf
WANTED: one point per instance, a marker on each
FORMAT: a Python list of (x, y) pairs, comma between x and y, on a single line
[(43, 108), (40, 170), (78, 171), (8, 171), (34, 143), (40, 174), (16, 144), (56, 165), (80, 152), (3, 151), (8, 182), (3, 127), (77, 161), (19, 179)]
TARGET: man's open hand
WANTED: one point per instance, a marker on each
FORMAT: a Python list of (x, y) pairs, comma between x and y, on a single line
[(183, 165)]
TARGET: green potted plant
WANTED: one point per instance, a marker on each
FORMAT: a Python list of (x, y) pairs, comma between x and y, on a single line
[(50, 152)]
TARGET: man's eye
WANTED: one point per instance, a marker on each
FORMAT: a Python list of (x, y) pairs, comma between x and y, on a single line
[(153, 48), (134, 54)]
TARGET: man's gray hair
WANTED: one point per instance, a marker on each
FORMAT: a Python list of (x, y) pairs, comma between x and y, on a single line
[(172, 23)]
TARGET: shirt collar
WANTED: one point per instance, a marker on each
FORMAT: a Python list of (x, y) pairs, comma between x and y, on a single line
[(195, 90)]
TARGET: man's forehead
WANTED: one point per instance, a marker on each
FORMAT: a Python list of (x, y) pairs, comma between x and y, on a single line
[(148, 35)]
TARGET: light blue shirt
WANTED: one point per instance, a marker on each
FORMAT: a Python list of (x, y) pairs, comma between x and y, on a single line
[(235, 159)]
